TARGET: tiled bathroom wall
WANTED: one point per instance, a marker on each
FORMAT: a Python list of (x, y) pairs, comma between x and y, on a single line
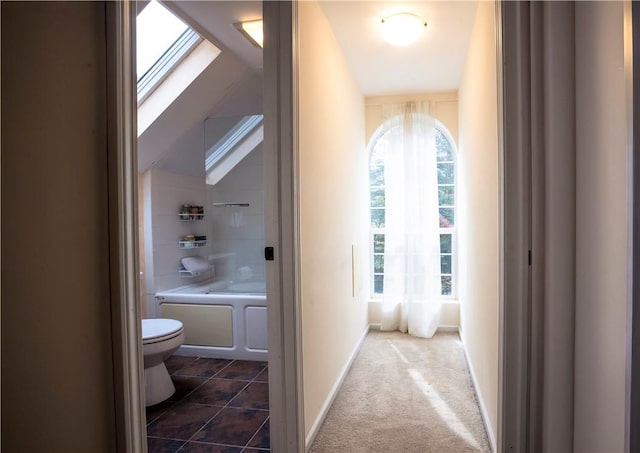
[(239, 230), (236, 233), (164, 194)]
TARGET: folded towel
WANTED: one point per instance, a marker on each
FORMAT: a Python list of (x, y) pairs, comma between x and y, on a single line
[(195, 264)]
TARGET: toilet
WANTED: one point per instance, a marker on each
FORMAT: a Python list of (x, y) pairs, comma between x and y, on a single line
[(160, 338)]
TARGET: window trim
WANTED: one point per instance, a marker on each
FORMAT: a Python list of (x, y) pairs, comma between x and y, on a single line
[(377, 135), (231, 139), (163, 67)]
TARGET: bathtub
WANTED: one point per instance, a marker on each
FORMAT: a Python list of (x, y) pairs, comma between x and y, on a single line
[(220, 325)]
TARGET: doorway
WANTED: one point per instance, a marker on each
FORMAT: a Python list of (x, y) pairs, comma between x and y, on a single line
[(237, 91), (334, 186), (517, 318)]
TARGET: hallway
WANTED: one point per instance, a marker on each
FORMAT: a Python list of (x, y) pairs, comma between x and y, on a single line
[(405, 394)]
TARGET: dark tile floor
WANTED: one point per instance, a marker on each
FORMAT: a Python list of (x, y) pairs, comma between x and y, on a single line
[(219, 406)]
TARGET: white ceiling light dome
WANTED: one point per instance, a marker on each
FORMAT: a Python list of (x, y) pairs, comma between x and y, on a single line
[(402, 29)]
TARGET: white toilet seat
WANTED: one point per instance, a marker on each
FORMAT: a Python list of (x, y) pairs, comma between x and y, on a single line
[(160, 329)]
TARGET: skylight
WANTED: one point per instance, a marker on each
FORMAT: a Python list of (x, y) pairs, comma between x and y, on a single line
[(163, 40), (231, 140), (233, 147)]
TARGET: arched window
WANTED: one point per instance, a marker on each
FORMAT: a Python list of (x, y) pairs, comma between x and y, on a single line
[(446, 165)]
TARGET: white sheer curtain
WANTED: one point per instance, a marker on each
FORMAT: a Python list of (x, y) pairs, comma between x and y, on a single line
[(411, 292)]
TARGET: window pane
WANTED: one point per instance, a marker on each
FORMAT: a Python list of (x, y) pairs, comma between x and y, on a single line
[(445, 243), (377, 177), (377, 198), (378, 264), (378, 243), (445, 174), (157, 29), (446, 196), (445, 281), (443, 147), (446, 217), (378, 283), (445, 264), (377, 218), (376, 171)]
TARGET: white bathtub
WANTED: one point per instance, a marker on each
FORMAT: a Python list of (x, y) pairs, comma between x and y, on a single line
[(226, 326)]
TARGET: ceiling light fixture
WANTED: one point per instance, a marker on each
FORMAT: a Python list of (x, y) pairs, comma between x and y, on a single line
[(252, 30), (402, 29)]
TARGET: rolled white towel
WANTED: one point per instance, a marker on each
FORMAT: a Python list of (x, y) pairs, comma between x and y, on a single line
[(195, 264)]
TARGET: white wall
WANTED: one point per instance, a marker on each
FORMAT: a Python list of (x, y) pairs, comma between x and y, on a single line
[(478, 213), (238, 230), (443, 106), (164, 194), (333, 205), (602, 228)]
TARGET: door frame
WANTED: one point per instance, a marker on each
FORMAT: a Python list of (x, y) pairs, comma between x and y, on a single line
[(535, 88), (632, 76), (281, 225), (123, 232), (282, 230)]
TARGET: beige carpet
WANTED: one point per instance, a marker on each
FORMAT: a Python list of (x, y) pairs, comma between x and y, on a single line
[(405, 394)]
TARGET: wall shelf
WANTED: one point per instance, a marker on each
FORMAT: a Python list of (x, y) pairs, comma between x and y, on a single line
[(190, 217), (192, 244)]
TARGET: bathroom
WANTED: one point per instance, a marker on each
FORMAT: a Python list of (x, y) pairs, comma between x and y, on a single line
[(204, 239), (201, 216), (201, 225)]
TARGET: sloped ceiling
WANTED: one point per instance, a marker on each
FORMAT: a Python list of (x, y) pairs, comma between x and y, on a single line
[(186, 154), (224, 77), (214, 20), (230, 86)]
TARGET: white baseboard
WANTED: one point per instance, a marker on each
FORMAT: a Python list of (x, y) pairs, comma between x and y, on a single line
[(333, 393), (447, 329), (483, 409), (376, 326)]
